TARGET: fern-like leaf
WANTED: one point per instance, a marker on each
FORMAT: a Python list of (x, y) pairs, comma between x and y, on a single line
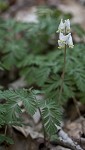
[(23, 95), (51, 116)]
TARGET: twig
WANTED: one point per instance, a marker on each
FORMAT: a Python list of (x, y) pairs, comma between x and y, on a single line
[(80, 141), (66, 144), (65, 141)]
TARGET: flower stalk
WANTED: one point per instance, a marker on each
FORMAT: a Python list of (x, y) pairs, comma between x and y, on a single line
[(65, 39), (63, 74)]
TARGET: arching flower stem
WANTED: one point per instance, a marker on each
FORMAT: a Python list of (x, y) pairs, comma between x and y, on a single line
[(63, 74)]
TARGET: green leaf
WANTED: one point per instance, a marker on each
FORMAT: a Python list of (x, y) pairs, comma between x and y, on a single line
[(51, 115), (28, 99), (2, 114), (6, 139)]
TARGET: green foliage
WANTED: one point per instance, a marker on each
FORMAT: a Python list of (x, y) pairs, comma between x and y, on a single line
[(51, 115), (10, 112), (2, 112), (45, 71), (79, 30), (11, 43), (4, 138), (19, 39), (12, 108), (3, 5), (81, 96)]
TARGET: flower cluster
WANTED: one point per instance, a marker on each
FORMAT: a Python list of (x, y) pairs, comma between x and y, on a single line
[(65, 37)]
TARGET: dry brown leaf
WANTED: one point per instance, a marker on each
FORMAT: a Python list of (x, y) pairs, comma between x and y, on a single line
[(30, 128), (22, 143), (20, 83), (76, 128), (27, 130), (27, 15), (77, 10)]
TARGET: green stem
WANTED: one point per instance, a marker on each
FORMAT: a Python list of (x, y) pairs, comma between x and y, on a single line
[(63, 75), (43, 126), (5, 130)]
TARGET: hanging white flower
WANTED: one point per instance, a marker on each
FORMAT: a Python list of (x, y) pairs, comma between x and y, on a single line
[(67, 25), (64, 26), (61, 27), (61, 44), (65, 40), (62, 40), (70, 42), (62, 37)]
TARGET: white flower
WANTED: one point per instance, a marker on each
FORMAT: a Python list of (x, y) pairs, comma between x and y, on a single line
[(70, 42), (61, 44), (62, 37), (67, 25), (62, 40), (64, 26), (61, 27), (65, 39)]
